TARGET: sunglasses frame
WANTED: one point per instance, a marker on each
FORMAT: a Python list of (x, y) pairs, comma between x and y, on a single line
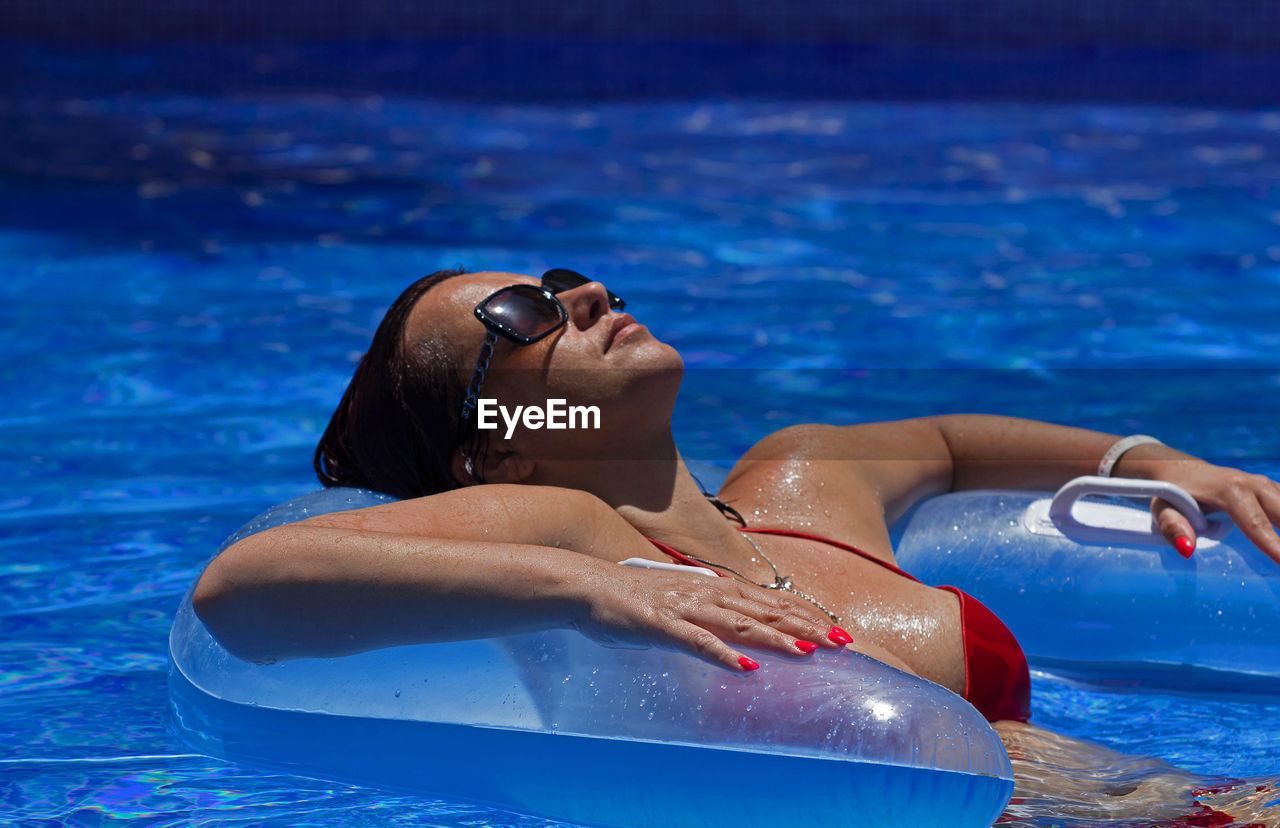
[(496, 327), (561, 279)]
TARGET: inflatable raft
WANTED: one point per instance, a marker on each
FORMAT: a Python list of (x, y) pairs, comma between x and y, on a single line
[(556, 725), (1095, 595)]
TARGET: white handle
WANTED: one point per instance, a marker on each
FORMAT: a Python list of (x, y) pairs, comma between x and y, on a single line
[(1065, 500), (645, 563)]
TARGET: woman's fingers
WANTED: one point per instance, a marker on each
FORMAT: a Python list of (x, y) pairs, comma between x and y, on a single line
[(710, 626), (706, 617), (1252, 501), (712, 639), (783, 614), (745, 630), (1174, 526), (707, 646), (1269, 540)]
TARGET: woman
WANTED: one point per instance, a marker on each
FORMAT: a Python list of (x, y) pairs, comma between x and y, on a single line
[(537, 545)]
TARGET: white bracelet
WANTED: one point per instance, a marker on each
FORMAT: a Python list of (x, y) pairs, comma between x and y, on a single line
[(1117, 451)]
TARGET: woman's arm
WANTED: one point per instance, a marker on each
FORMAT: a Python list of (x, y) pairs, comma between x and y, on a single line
[(1032, 454), (899, 463), (476, 563)]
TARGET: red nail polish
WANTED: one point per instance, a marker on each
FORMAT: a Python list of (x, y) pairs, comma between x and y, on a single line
[(806, 647), (1185, 546), (748, 664), (840, 636)]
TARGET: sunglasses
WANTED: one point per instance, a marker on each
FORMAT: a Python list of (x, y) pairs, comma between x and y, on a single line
[(523, 314)]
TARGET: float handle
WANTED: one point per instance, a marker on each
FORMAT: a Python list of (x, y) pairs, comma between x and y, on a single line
[(1066, 497)]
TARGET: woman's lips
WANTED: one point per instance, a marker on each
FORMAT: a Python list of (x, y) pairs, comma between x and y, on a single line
[(624, 325)]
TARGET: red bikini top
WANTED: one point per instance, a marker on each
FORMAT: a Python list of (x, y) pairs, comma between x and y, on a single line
[(997, 680)]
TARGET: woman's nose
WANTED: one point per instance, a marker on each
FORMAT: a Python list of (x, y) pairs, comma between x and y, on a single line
[(585, 304)]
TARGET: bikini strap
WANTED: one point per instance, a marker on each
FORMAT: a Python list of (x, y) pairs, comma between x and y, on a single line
[(677, 555)]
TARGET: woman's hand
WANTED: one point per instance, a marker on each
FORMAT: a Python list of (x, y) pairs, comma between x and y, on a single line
[(700, 615), (1251, 500)]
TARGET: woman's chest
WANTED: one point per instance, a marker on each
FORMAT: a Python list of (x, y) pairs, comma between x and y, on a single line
[(917, 623)]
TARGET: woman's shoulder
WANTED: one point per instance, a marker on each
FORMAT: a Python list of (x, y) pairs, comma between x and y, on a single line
[(799, 457), (842, 481), (860, 442), (894, 459), (784, 477)]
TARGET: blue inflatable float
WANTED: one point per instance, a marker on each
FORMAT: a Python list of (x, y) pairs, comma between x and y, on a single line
[(1126, 610), (556, 725)]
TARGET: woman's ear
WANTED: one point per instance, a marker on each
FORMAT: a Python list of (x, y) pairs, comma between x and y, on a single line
[(500, 465)]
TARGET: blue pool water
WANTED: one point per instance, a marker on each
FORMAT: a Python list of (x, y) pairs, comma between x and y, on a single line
[(188, 280)]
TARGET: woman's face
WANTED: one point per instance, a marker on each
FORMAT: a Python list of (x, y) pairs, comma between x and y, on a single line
[(599, 357)]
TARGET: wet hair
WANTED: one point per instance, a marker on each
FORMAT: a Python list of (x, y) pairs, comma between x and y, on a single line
[(395, 429)]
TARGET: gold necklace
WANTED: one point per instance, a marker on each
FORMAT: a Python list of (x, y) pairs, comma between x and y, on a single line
[(780, 581)]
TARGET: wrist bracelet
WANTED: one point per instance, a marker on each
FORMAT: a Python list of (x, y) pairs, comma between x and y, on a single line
[(1117, 451)]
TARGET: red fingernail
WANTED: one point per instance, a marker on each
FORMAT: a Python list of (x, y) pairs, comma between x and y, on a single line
[(840, 636), (806, 647), (1185, 546), (748, 664)]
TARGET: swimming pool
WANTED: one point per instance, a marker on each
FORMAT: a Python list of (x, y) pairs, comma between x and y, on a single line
[(189, 278)]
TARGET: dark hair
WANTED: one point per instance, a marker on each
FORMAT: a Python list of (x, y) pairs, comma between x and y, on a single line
[(394, 430)]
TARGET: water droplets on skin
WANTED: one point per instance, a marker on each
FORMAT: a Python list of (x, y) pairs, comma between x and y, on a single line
[(911, 628)]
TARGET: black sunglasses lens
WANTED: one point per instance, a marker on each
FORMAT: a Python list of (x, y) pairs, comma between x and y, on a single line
[(560, 279), (524, 309)]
